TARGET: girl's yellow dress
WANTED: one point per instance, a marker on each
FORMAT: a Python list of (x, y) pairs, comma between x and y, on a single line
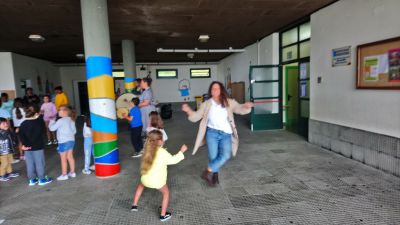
[(156, 177)]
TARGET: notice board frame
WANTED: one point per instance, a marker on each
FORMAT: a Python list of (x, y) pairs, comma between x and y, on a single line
[(366, 54)]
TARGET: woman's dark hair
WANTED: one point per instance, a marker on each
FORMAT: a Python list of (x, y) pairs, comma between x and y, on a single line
[(223, 97), (31, 110), (135, 101), (147, 80), (18, 104)]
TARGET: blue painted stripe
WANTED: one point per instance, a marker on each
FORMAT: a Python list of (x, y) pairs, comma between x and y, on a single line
[(102, 124), (110, 158), (129, 79), (98, 65)]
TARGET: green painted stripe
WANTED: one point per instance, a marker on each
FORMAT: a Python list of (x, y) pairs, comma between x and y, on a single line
[(103, 148)]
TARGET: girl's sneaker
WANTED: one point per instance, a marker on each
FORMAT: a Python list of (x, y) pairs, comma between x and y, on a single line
[(134, 208), (92, 168), (55, 142), (167, 216), (87, 172), (49, 143), (4, 178), (45, 180), (33, 182), (12, 175), (63, 177), (72, 175)]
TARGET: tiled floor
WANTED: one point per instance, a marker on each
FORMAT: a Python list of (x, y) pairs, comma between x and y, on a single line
[(277, 178)]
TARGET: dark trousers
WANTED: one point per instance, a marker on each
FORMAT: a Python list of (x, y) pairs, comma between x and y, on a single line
[(136, 138)]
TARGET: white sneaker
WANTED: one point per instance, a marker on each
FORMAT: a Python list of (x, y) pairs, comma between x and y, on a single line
[(62, 177), (15, 161), (87, 172), (92, 167), (72, 175), (49, 143)]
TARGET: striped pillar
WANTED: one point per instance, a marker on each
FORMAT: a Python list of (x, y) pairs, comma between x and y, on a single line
[(129, 61), (100, 86)]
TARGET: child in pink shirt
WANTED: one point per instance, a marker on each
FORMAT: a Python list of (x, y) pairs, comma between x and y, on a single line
[(49, 112)]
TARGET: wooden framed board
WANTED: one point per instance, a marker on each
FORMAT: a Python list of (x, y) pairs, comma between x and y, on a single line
[(378, 65)]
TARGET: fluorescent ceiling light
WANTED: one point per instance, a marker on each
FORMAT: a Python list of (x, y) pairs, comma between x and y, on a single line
[(80, 55), (204, 38), (36, 37)]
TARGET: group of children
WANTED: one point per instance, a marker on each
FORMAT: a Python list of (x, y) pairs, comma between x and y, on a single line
[(29, 123), (155, 158)]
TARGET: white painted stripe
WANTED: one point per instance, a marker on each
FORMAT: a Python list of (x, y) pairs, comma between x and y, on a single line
[(104, 107)]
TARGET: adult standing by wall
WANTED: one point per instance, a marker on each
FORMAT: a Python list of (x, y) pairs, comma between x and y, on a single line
[(217, 128), (61, 98), (146, 104), (30, 97)]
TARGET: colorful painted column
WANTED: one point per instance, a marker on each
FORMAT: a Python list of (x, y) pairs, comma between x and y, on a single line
[(129, 61), (100, 86)]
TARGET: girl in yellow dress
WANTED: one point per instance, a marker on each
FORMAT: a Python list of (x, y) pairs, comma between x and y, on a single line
[(154, 170)]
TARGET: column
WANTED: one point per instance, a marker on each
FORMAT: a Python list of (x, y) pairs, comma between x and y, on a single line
[(100, 86), (129, 60)]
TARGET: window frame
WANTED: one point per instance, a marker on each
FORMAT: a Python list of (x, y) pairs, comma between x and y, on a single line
[(161, 77)]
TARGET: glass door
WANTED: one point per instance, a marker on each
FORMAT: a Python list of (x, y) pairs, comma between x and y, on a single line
[(265, 93), (304, 94)]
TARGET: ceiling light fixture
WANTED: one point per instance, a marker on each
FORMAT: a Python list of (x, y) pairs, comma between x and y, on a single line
[(196, 50), (204, 38), (36, 38), (142, 68), (190, 55), (80, 56)]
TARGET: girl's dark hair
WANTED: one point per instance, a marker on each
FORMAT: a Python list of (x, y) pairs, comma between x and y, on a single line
[(223, 97), (135, 101), (155, 120), (31, 110), (18, 105), (47, 96), (87, 121), (147, 80)]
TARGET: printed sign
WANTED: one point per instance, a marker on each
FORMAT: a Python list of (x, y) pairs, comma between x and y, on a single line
[(341, 56)]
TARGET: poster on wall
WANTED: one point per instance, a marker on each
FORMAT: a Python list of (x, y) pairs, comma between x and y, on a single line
[(394, 65), (378, 65), (341, 56)]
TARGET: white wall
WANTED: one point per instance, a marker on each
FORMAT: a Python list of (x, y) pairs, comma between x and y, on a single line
[(165, 90), (28, 68), (264, 52), (6, 72), (336, 100)]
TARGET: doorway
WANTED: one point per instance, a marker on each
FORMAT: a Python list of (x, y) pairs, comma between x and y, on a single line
[(292, 96), (83, 98)]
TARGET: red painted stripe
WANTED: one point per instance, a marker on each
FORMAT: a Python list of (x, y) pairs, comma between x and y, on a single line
[(266, 101), (107, 170)]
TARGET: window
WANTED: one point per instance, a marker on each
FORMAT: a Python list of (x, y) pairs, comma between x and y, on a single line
[(200, 73), (167, 73), (118, 73)]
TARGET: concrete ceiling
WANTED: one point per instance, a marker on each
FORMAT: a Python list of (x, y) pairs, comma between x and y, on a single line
[(150, 23)]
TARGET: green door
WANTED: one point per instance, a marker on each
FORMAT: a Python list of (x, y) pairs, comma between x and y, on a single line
[(265, 93), (292, 97)]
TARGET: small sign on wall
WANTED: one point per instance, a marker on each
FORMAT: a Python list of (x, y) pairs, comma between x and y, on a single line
[(341, 56)]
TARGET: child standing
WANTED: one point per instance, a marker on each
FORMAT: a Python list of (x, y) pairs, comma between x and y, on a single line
[(49, 112), (87, 144), (18, 115), (156, 123), (65, 127), (154, 170), (6, 151), (136, 125), (31, 136)]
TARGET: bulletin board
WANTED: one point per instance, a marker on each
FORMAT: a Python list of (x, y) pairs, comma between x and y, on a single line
[(378, 65)]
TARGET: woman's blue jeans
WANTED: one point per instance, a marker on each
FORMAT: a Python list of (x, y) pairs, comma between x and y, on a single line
[(219, 148)]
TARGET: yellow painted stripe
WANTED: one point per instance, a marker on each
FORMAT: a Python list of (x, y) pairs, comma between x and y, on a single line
[(101, 87)]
